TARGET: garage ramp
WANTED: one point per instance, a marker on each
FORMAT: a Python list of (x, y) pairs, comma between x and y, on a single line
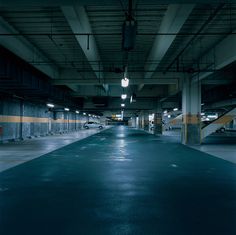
[(218, 123)]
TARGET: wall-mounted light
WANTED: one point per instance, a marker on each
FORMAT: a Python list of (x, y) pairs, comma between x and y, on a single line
[(50, 105), (67, 109), (125, 82), (122, 105), (123, 96)]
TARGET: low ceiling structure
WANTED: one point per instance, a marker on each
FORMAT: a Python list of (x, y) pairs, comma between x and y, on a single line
[(82, 47)]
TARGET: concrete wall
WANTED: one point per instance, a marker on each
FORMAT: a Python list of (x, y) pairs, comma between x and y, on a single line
[(22, 119)]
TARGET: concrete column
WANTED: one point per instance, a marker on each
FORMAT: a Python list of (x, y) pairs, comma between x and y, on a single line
[(157, 119), (133, 121), (140, 121), (157, 129), (191, 107), (136, 122), (146, 121)]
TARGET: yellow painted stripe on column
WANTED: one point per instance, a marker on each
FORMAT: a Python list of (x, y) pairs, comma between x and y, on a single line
[(191, 119), (158, 121)]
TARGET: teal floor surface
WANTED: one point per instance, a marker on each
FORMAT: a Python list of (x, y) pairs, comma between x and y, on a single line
[(120, 181)]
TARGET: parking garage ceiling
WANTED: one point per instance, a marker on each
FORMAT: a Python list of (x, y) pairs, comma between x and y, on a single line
[(79, 46)]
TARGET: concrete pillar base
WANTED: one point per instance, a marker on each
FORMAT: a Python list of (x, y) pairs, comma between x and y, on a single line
[(158, 129), (146, 125), (191, 134), (157, 124)]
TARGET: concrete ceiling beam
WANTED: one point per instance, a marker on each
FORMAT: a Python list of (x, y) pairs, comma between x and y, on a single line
[(223, 54), (78, 20), (101, 2), (92, 82), (222, 104), (172, 22), (217, 81)]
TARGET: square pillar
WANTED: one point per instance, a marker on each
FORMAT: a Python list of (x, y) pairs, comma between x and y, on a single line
[(191, 107), (157, 122), (140, 121), (146, 121)]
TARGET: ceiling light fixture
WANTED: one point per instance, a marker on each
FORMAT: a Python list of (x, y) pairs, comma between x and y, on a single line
[(50, 105), (122, 105), (125, 82), (77, 111), (175, 109), (123, 96), (84, 114), (67, 109)]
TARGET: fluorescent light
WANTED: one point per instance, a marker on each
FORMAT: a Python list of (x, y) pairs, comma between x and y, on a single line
[(77, 111), (212, 116), (84, 114), (50, 105), (125, 82), (123, 96), (66, 109), (175, 109), (122, 105)]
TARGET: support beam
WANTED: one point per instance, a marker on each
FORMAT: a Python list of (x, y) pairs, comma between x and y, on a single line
[(223, 54), (175, 17), (101, 2), (93, 82), (222, 104), (21, 47), (77, 18), (217, 81), (71, 76)]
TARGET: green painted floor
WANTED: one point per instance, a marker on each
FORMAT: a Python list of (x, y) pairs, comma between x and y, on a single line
[(120, 181)]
